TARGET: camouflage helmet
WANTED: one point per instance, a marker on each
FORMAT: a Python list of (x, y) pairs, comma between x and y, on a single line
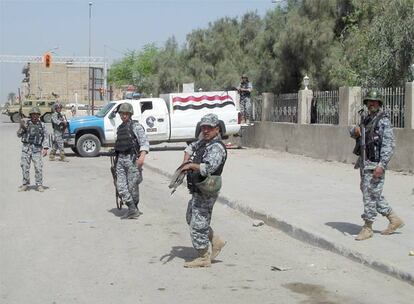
[(34, 110), (211, 185), (126, 108), (57, 105), (209, 120), (373, 95)]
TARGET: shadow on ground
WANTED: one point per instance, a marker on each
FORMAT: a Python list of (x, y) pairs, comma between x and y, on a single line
[(346, 228), (182, 252)]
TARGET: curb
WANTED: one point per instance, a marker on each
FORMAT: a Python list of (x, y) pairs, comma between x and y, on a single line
[(309, 237)]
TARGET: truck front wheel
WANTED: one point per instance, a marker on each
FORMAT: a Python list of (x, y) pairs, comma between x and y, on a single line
[(88, 145), (15, 117), (47, 118)]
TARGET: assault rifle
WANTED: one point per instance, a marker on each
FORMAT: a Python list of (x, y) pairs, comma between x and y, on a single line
[(360, 144), (114, 160), (21, 105), (64, 123)]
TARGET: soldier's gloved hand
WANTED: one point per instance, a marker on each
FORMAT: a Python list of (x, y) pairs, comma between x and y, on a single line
[(378, 172), (44, 152)]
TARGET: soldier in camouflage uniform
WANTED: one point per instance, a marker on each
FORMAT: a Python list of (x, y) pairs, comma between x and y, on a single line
[(34, 138), (208, 156), (245, 88), (131, 146), (59, 124), (380, 144)]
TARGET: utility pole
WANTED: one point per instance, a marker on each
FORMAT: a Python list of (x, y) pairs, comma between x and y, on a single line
[(89, 66)]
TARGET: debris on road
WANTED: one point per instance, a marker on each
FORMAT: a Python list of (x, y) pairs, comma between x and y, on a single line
[(258, 223), (279, 268), (411, 253)]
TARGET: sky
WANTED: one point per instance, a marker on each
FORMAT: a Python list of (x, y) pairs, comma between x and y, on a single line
[(33, 27)]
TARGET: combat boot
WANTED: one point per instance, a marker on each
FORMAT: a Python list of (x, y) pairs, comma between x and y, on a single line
[(62, 157), (52, 156), (23, 188), (395, 223), (216, 244), (133, 212), (40, 189), (203, 259), (366, 232)]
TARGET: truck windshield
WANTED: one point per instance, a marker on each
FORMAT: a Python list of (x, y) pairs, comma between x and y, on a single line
[(102, 112)]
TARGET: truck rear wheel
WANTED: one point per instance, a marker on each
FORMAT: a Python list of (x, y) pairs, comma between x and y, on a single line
[(15, 117), (47, 118), (88, 145)]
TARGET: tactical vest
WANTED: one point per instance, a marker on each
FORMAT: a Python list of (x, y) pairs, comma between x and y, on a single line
[(57, 126), (126, 141), (373, 139), (34, 134), (244, 85), (195, 177)]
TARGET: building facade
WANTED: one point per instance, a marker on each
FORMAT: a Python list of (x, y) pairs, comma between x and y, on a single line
[(66, 82)]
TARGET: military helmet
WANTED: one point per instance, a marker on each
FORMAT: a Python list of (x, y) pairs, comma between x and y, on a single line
[(58, 105), (209, 120), (126, 107), (34, 110), (373, 95), (211, 185)]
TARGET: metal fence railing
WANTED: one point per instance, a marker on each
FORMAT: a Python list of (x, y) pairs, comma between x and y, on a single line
[(394, 104), (325, 107), (285, 108), (257, 108)]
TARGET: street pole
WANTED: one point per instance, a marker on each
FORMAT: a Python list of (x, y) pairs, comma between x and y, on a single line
[(89, 61)]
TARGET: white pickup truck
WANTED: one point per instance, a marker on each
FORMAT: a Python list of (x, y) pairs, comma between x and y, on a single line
[(171, 118)]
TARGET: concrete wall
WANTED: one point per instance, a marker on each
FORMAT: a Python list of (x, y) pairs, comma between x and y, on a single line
[(323, 141)]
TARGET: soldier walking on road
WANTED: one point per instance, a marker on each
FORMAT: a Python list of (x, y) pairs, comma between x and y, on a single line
[(131, 146), (245, 89), (208, 158), (59, 124), (379, 148), (34, 138)]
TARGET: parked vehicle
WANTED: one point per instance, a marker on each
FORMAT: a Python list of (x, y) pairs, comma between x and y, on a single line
[(171, 118), (45, 107)]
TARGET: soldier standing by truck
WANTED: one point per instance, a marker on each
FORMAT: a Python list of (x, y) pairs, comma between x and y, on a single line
[(245, 89), (59, 124), (131, 146), (34, 138), (375, 147), (208, 156)]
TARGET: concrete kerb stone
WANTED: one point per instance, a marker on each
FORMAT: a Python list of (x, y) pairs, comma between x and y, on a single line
[(309, 237)]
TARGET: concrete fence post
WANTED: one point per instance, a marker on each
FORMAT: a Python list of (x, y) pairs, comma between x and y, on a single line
[(349, 104), (409, 106), (304, 106), (267, 105)]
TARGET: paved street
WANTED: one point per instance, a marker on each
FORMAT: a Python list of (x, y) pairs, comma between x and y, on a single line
[(69, 245)]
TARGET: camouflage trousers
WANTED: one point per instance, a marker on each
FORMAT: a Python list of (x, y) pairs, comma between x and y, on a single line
[(32, 153), (374, 201), (198, 216), (57, 143), (246, 107), (129, 176)]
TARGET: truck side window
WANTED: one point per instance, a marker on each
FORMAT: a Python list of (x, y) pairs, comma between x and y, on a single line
[(146, 105)]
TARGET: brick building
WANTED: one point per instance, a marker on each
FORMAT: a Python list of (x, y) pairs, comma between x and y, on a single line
[(64, 81)]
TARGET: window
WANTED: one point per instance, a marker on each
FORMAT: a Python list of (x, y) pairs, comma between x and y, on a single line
[(146, 105)]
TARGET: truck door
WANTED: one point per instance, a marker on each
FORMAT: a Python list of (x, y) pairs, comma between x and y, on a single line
[(155, 119), (112, 122)]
